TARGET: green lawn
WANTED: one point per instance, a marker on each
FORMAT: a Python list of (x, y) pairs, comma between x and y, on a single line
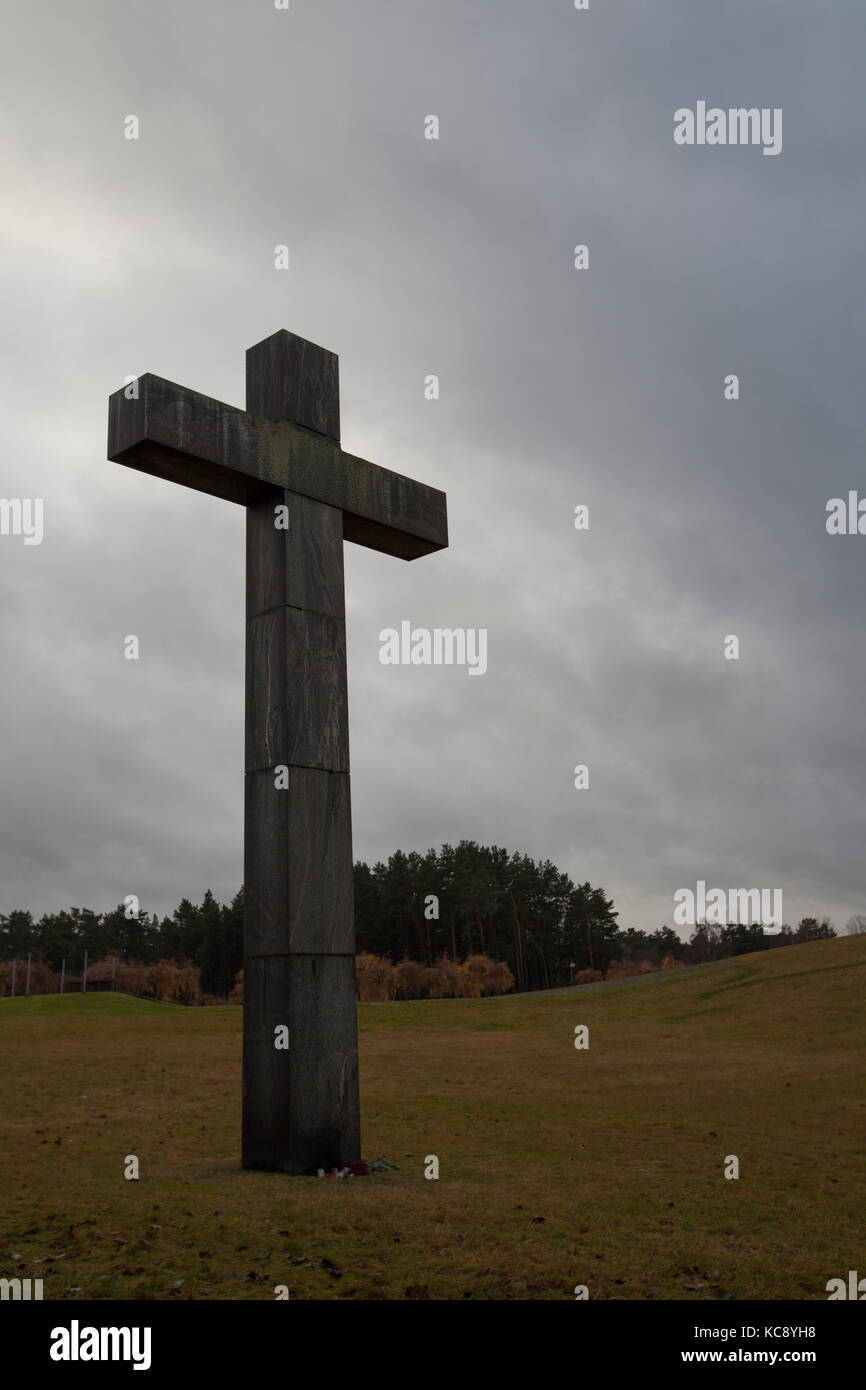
[(557, 1167)]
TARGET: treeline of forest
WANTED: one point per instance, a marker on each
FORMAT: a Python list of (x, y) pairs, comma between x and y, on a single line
[(447, 905), (377, 979)]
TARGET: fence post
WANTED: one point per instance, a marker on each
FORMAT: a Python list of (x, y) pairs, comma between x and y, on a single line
[(114, 972), (62, 974), (27, 986), (84, 976), (14, 968)]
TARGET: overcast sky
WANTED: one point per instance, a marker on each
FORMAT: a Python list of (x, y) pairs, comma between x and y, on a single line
[(558, 387)]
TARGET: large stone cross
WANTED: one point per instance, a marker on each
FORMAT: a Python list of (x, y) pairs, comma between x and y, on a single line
[(281, 459)]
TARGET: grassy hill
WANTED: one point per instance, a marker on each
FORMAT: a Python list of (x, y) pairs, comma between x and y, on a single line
[(557, 1166)]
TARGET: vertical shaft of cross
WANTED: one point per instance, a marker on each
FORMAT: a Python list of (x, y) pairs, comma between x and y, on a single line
[(300, 1103)]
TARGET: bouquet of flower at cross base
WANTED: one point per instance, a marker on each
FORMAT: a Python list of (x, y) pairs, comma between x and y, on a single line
[(361, 1169)]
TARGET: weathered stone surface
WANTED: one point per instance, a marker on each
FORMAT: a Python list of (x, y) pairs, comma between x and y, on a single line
[(298, 864), (296, 697), (289, 378), (299, 928), (301, 1108), (302, 567), (201, 443)]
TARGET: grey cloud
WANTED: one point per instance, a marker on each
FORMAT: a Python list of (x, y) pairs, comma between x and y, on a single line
[(604, 387)]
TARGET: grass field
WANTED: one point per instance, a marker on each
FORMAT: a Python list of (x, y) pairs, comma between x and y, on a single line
[(558, 1167)]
